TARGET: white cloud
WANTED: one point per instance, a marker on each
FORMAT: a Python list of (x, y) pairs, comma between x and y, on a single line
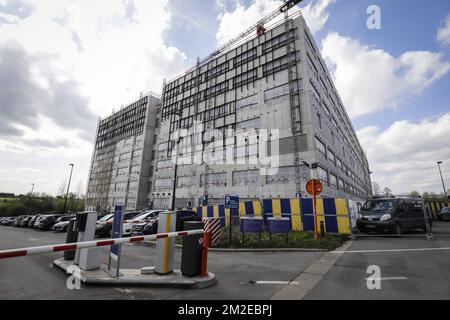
[(443, 34), (370, 79), (404, 156), (316, 14), (102, 53), (234, 20)]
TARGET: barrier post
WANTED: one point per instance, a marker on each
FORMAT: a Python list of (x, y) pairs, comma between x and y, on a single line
[(206, 245), (322, 229), (165, 248)]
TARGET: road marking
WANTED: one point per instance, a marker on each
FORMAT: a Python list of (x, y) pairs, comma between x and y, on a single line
[(393, 250), (310, 277), (278, 282), (387, 278)]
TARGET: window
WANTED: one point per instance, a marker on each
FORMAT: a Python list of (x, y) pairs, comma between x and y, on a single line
[(320, 146), (245, 78), (331, 156), (278, 41), (244, 57), (217, 89), (341, 185), (333, 181), (322, 175), (339, 163), (217, 71), (275, 66), (319, 119)]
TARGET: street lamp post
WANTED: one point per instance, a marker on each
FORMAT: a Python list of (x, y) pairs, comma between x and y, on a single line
[(68, 187), (442, 178)]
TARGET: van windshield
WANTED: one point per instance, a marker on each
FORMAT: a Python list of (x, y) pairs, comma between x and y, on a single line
[(379, 205)]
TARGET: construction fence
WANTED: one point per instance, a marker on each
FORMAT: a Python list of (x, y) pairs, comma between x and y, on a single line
[(338, 215), (434, 206)]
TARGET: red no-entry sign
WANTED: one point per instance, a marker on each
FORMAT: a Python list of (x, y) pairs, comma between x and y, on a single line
[(314, 187)]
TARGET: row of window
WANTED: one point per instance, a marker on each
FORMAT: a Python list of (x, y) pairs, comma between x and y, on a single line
[(320, 146)]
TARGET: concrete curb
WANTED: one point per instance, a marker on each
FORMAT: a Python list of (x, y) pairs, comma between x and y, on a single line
[(153, 243), (134, 277)]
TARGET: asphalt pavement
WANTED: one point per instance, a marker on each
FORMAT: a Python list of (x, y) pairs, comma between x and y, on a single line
[(411, 268), (33, 277)]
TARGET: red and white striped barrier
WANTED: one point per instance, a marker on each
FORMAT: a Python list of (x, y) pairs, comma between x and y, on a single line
[(91, 244), (212, 226)]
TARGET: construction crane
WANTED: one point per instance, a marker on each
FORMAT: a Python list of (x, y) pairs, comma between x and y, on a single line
[(258, 27)]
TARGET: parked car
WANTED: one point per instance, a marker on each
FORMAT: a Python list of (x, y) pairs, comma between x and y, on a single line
[(104, 225), (151, 227), (25, 220), (444, 214), (62, 223), (36, 223), (47, 222), (392, 215), (18, 221), (32, 221), (143, 217)]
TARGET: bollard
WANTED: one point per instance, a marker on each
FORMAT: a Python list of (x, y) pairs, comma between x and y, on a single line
[(165, 247), (322, 229), (191, 254), (206, 245)]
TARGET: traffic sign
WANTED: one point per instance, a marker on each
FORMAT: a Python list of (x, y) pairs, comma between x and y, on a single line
[(115, 250), (314, 187), (232, 202)]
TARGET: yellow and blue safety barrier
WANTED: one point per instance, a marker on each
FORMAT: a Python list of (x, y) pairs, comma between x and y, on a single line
[(435, 207), (333, 212)]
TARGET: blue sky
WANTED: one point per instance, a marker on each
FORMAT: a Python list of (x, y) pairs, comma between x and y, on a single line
[(406, 26), (95, 56)]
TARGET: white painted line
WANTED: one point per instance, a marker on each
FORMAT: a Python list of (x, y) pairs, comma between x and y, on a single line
[(394, 250), (277, 282), (387, 278)]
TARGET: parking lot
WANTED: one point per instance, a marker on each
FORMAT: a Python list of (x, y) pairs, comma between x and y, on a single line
[(412, 266)]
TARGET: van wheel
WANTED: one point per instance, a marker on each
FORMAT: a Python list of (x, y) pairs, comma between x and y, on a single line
[(398, 229)]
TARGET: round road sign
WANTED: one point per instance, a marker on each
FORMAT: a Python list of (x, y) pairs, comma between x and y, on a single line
[(314, 187)]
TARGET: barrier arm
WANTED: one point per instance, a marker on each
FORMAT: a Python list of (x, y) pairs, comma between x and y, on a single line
[(91, 244)]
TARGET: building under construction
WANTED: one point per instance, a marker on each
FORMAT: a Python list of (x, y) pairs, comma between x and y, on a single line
[(121, 165), (275, 85)]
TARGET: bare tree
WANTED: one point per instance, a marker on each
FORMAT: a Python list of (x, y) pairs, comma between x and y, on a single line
[(62, 188), (387, 191), (376, 189), (79, 189)]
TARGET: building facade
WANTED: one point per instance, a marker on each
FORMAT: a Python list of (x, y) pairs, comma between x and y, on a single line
[(271, 96), (121, 165)]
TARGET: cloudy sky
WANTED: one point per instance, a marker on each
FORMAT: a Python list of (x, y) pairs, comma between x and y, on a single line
[(65, 63)]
